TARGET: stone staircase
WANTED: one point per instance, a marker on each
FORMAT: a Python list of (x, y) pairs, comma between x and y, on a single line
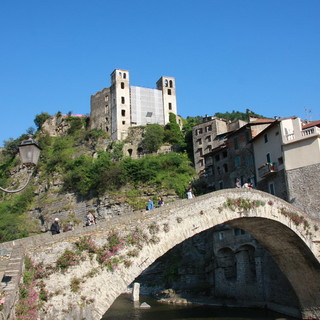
[(11, 264)]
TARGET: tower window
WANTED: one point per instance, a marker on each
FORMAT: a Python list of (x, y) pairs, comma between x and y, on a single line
[(169, 92), (170, 84), (166, 83), (170, 106), (122, 85), (123, 113), (106, 98), (265, 138), (124, 75), (122, 100), (123, 122)]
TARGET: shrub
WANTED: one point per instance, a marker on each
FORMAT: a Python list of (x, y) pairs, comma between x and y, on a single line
[(68, 259)]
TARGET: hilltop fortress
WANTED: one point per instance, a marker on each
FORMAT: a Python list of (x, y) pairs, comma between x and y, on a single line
[(121, 106)]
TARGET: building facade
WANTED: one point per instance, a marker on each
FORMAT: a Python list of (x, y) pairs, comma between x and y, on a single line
[(209, 135), (121, 106), (233, 158), (287, 160)]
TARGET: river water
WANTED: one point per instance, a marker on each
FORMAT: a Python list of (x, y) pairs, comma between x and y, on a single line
[(122, 309)]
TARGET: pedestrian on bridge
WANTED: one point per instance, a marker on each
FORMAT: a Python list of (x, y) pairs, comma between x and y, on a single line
[(55, 227)]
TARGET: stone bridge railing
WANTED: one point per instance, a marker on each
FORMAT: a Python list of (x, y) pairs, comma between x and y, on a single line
[(291, 237)]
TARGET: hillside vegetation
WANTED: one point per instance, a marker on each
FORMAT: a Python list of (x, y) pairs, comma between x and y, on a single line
[(82, 167), (84, 170)]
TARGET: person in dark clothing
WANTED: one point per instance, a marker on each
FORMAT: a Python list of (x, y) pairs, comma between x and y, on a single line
[(55, 227)]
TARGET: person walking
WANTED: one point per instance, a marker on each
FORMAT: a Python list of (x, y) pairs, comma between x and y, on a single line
[(190, 193), (89, 219), (55, 227), (160, 202), (150, 205)]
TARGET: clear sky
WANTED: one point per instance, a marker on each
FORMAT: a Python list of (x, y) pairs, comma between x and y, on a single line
[(225, 55)]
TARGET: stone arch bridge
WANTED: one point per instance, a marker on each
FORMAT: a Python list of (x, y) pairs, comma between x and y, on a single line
[(86, 290)]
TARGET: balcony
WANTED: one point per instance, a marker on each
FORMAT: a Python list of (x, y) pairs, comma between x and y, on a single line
[(267, 169), (300, 135)]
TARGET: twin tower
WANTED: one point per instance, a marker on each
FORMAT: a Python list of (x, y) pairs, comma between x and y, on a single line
[(121, 106)]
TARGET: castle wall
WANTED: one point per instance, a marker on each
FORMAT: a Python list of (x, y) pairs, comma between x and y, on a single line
[(100, 116)]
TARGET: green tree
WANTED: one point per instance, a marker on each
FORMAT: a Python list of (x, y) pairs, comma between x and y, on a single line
[(172, 132), (153, 138), (40, 119)]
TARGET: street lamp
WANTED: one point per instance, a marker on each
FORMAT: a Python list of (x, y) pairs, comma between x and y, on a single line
[(29, 152)]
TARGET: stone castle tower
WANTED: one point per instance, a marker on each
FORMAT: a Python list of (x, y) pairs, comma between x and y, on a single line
[(121, 106)]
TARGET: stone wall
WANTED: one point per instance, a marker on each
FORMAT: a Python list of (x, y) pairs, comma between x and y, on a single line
[(304, 186)]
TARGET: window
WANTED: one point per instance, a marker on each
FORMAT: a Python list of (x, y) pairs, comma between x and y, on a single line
[(209, 147), (247, 136), (122, 100), (238, 232), (169, 92), (199, 141), (170, 83), (217, 157), (170, 106), (221, 235), (280, 160), (124, 75), (122, 85), (123, 113), (166, 83), (265, 138), (201, 162), (219, 170), (236, 144), (208, 128), (271, 188), (199, 131), (224, 154), (250, 160), (106, 98), (268, 157), (208, 138), (237, 161), (220, 185), (225, 167), (123, 122)]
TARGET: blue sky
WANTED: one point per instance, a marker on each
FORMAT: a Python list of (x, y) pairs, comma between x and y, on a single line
[(225, 55)]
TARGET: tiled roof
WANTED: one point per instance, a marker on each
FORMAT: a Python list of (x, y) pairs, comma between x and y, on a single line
[(311, 124)]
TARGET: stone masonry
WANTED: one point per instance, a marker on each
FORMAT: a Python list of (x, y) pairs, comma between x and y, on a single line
[(294, 246)]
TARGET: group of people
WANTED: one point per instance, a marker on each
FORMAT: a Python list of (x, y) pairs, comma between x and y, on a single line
[(150, 204), (55, 226), (247, 185)]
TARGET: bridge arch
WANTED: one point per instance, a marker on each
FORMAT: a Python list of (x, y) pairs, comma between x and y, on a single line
[(291, 237)]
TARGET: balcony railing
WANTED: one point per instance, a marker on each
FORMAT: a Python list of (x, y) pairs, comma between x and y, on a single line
[(313, 131), (267, 169)]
